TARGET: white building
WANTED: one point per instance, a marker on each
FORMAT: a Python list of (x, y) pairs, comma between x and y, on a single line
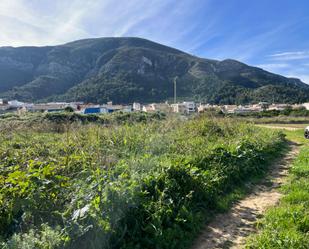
[(184, 107), (155, 107), (15, 103), (179, 108), (148, 108), (306, 105), (136, 106), (205, 107), (247, 109), (190, 107), (51, 106), (229, 108), (278, 107)]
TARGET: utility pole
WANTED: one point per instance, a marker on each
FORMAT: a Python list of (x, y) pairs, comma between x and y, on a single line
[(175, 89)]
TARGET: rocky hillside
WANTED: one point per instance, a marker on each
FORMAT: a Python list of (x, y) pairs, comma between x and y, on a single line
[(132, 69)]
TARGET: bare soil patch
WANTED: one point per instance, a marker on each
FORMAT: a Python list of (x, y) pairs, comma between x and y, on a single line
[(289, 127)]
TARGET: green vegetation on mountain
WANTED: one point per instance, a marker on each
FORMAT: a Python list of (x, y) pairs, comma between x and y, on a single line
[(132, 69), (129, 185)]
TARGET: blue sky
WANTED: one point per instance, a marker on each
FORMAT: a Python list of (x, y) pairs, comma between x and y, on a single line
[(272, 34)]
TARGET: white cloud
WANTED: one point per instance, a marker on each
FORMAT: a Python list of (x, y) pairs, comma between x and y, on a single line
[(273, 66), (31, 22), (296, 55), (25, 24)]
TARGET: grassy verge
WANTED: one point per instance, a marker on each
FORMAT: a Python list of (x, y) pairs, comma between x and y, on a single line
[(277, 120), (287, 225), (130, 185)]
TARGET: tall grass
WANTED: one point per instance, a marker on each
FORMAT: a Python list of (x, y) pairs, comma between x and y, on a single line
[(129, 185)]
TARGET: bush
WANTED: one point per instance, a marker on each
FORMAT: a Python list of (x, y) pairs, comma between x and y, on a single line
[(147, 185)]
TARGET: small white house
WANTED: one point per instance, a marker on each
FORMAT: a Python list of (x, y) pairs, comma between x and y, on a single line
[(179, 108), (156, 107), (184, 107), (136, 106), (190, 106), (306, 105), (15, 103), (278, 107)]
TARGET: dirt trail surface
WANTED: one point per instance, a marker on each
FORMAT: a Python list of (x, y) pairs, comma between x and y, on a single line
[(282, 127), (229, 230)]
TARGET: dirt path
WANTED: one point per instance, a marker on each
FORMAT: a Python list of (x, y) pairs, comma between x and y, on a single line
[(282, 127), (229, 230)]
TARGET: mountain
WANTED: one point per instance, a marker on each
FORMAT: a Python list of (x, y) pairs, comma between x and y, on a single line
[(133, 69)]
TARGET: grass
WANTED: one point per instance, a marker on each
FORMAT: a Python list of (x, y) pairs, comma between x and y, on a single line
[(276, 120), (287, 225), (126, 185)]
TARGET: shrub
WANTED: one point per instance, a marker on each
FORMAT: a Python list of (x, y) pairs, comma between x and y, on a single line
[(131, 185)]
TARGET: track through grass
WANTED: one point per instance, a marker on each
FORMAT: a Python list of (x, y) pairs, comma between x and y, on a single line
[(229, 230), (287, 225)]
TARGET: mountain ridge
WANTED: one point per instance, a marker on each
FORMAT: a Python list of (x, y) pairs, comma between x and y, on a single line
[(127, 69)]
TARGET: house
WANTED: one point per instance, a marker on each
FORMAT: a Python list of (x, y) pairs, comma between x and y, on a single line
[(306, 105), (179, 108), (202, 108), (94, 110), (156, 107), (162, 107), (184, 107), (15, 103), (229, 108), (247, 109), (205, 107), (298, 106), (190, 107), (48, 107), (278, 107), (112, 108), (137, 106), (263, 105), (148, 108)]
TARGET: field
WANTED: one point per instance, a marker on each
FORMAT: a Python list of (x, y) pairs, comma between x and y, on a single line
[(132, 182)]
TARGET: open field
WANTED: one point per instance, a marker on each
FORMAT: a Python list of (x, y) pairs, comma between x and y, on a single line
[(126, 185)]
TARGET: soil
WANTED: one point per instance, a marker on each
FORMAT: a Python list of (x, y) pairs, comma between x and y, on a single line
[(289, 128)]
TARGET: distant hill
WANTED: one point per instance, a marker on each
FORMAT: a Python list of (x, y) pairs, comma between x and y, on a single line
[(132, 69)]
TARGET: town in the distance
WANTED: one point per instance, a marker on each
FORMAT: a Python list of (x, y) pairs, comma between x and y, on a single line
[(186, 107)]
